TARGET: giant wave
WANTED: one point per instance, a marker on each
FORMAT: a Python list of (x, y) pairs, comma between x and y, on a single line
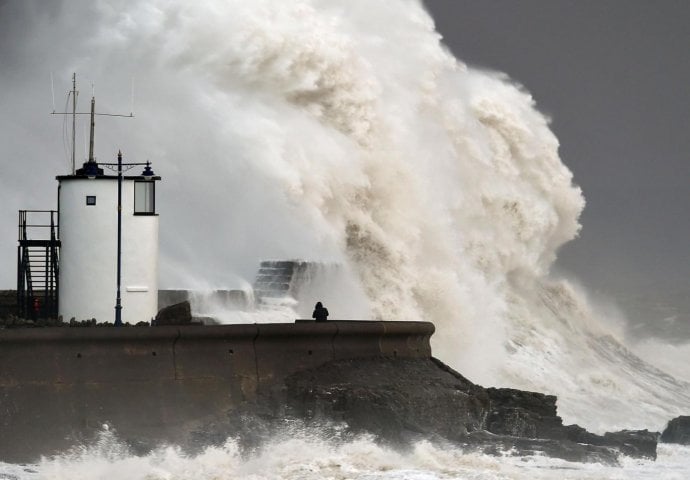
[(351, 135)]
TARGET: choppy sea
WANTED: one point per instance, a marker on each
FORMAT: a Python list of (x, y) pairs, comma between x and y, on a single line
[(304, 458)]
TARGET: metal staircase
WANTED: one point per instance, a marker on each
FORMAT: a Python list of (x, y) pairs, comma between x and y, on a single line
[(38, 264)]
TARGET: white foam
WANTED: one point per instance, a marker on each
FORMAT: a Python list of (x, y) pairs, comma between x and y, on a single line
[(307, 456)]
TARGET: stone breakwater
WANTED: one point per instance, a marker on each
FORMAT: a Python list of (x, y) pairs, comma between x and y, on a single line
[(404, 400), (197, 385)]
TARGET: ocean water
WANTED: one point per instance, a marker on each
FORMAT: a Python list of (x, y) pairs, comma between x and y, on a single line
[(351, 137), (307, 458)]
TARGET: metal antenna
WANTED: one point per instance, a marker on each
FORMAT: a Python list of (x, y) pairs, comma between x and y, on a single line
[(92, 113), (74, 119), (93, 127), (52, 90)]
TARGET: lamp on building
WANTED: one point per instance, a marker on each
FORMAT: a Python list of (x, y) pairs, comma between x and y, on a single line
[(91, 170), (148, 172)]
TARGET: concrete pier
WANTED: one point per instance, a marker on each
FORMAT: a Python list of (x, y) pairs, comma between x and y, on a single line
[(59, 386)]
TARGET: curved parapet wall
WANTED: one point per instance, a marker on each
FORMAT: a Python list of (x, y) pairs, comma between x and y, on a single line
[(58, 386)]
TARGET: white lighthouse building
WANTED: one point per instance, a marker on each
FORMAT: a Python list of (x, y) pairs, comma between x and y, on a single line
[(94, 248), (100, 259)]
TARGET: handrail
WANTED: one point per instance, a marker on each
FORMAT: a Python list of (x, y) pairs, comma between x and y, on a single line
[(36, 219)]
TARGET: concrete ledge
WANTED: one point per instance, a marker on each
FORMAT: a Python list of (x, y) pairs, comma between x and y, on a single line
[(59, 385)]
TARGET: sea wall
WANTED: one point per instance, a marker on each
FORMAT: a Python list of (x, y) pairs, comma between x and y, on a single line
[(59, 386)]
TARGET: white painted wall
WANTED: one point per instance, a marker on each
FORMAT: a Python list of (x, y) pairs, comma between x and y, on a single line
[(88, 256)]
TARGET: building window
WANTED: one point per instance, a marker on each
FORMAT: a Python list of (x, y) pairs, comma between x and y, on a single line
[(144, 197), (91, 199)]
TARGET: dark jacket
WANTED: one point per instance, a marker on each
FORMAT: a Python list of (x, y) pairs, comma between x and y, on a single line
[(320, 313)]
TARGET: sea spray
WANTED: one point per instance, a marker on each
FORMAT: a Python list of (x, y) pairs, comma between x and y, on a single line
[(308, 455), (352, 136)]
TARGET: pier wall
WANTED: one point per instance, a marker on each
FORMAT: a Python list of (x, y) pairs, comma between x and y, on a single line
[(59, 386)]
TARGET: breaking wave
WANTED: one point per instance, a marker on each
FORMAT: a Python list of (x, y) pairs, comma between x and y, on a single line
[(351, 135), (305, 456)]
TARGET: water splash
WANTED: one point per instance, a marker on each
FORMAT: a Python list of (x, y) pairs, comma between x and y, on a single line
[(352, 136), (308, 455)]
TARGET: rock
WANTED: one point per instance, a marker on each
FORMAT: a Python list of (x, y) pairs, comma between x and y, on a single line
[(492, 444), (396, 400), (677, 431), (634, 443), (178, 314), (402, 400), (522, 414)]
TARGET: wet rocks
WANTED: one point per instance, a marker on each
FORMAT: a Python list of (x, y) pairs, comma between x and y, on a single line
[(402, 400), (634, 443), (677, 431), (396, 400), (13, 321), (522, 414), (177, 314)]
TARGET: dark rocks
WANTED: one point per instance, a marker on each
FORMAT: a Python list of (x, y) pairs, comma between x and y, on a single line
[(677, 431), (177, 314), (12, 321), (396, 400), (8, 303), (522, 414), (403, 400), (634, 443), (492, 444)]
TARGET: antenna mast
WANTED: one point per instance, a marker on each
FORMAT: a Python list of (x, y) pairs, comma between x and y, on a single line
[(93, 114), (74, 120), (93, 126)]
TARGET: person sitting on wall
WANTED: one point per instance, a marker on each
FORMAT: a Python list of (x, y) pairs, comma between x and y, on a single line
[(320, 313)]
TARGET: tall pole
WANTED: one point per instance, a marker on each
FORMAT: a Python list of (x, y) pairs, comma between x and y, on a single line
[(118, 301), (93, 128), (74, 120)]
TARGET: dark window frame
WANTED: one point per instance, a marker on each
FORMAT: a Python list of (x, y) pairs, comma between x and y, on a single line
[(149, 186), (91, 200)]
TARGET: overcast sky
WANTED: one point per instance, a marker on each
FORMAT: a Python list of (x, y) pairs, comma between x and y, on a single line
[(615, 78)]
